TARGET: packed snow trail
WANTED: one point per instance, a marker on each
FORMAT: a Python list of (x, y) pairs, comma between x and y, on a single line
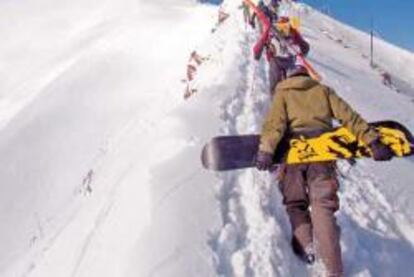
[(251, 241)]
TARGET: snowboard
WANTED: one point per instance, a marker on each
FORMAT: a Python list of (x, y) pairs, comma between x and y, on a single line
[(238, 152)]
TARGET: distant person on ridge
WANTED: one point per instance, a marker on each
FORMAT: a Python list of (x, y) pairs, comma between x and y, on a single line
[(270, 10), (304, 107)]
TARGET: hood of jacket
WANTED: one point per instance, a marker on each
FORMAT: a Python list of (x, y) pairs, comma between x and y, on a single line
[(298, 82)]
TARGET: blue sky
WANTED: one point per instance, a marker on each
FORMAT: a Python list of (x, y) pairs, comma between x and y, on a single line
[(393, 19)]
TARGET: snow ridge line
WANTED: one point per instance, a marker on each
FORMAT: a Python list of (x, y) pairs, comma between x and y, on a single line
[(254, 258), (232, 237)]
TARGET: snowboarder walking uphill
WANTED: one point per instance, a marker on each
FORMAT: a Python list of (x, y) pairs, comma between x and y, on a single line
[(304, 107), (283, 43)]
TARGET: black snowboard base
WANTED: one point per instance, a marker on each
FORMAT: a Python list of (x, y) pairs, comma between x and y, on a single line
[(237, 152)]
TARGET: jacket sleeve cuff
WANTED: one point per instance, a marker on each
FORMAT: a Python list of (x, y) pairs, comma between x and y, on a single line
[(371, 136), (264, 147)]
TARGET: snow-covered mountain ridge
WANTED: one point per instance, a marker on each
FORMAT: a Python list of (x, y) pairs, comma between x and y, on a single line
[(101, 173)]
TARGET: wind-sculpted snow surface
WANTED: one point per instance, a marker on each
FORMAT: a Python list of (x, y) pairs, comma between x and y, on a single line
[(83, 133), (101, 173)]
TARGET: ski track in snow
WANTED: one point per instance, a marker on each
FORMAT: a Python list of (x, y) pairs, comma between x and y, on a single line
[(105, 204)]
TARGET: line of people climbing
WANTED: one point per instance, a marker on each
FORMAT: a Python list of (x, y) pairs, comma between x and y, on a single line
[(303, 107), (285, 48)]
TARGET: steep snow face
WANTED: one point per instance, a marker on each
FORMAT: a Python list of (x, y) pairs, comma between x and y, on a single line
[(101, 173), (86, 112), (386, 57), (376, 225), (347, 69)]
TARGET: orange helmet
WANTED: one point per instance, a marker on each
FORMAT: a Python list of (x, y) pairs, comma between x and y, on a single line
[(283, 25)]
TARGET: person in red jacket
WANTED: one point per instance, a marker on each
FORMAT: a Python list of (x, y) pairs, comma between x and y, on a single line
[(283, 44)]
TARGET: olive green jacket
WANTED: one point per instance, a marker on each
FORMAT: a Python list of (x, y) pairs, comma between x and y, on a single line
[(301, 104)]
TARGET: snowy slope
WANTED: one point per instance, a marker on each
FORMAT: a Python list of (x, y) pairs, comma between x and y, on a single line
[(101, 173), (89, 114)]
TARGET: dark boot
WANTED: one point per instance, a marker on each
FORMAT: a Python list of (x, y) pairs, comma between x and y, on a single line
[(307, 255)]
